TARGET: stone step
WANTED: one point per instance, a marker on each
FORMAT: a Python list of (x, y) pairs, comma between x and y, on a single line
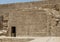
[(14, 40)]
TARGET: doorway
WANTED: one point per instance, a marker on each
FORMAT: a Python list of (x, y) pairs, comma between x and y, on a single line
[(13, 31)]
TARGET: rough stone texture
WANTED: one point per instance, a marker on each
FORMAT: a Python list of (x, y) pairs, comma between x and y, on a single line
[(30, 23), (29, 19)]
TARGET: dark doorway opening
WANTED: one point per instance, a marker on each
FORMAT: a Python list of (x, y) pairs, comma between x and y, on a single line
[(13, 31)]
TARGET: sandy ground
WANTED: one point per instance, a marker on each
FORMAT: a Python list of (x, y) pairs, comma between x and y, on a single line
[(46, 39), (38, 39)]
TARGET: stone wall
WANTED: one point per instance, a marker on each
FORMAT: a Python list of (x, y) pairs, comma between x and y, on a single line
[(28, 18), (29, 23)]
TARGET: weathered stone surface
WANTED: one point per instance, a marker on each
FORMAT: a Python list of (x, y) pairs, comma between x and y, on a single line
[(30, 19)]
